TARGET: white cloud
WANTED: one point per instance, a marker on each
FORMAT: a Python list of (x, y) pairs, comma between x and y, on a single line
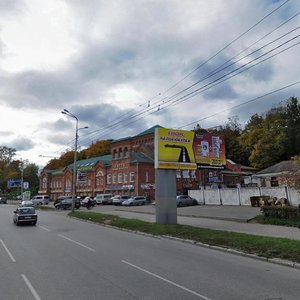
[(104, 60)]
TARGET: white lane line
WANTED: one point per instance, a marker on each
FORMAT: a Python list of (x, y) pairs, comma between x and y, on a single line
[(82, 245), (166, 280), (42, 227), (8, 252), (31, 288)]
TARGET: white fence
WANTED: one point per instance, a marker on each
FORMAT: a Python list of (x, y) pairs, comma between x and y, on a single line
[(241, 196)]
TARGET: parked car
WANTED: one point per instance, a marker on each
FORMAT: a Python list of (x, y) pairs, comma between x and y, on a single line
[(85, 201), (137, 200), (185, 200), (23, 215), (61, 198), (40, 200), (104, 198), (3, 200), (27, 203), (66, 203), (119, 199)]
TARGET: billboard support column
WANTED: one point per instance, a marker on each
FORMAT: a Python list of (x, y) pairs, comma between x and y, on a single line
[(165, 196)]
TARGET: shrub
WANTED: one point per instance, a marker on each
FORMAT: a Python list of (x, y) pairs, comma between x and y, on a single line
[(288, 212)]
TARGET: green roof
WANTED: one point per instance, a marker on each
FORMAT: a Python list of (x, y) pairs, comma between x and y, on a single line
[(88, 164), (149, 130), (56, 172), (141, 158)]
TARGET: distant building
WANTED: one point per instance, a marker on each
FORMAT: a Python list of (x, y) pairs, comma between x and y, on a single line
[(286, 172)]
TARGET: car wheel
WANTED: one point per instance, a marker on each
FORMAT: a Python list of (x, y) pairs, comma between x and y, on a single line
[(180, 204), (17, 223), (33, 223), (195, 202)]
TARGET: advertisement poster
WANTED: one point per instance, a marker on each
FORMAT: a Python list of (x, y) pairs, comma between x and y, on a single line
[(209, 150), (174, 149)]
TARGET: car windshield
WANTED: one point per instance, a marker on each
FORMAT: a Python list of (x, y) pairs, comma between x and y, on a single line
[(26, 210)]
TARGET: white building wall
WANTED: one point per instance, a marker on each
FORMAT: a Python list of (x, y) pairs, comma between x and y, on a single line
[(241, 196), (246, 193), (230, 196)]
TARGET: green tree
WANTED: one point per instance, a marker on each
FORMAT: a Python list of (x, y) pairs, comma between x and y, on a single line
[(6, 170), (292, 127)]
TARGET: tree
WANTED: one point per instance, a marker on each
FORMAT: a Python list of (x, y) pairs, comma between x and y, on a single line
[(30, 174), (234, 149), (6, 156), (292, 119), (99, 148)]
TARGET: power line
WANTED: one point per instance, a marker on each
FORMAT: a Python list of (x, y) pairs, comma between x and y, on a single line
[(162, 102), (225, 47), (241, 104)]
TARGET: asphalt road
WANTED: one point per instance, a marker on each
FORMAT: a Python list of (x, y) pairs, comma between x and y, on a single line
[(64, 258)]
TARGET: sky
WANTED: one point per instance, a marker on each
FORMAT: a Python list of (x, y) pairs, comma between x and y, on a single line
[(123, 66)]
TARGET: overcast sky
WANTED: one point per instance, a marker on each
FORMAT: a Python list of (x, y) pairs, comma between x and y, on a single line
[(123, 66)]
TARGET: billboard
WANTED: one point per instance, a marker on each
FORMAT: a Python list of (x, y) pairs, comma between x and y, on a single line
[(209, 149), (174, 149)]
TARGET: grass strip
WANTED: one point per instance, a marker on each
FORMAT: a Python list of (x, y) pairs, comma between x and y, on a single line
[(276, 221), (262, 246)]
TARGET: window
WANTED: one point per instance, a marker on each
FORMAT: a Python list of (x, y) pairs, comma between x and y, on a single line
[(131, 176), (120, 153), (120, 178), (125, 178), (99, 180), (114, 178), (115, 154), (109, 179), (126, 153), (147, 177)]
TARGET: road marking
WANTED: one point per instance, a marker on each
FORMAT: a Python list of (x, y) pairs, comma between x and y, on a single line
[(166, 280), (82, 245), (8, 252), (42, 227), (31, 288)]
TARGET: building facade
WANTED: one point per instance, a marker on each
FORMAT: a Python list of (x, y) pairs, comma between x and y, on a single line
[(129, 170)]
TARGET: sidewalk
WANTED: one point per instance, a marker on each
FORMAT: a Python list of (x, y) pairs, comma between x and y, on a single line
[(229, 218)]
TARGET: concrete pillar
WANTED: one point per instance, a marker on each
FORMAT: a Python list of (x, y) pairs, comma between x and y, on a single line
[(165, 196)]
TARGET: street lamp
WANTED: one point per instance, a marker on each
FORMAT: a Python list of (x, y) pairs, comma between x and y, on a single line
[(22, 178), (66, 112)]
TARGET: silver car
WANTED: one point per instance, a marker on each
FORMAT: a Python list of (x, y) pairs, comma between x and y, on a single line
[(185, 200), (137, 200), (119, 199)]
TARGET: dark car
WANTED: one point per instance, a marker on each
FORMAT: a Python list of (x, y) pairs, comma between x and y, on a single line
[(3, 200), (185, 200), (23, 215), (66, 203)]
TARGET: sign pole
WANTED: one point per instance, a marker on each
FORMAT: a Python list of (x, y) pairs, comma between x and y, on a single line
[(165, 196)]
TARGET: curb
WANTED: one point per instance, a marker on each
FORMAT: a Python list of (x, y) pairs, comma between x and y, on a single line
[(277, 261)]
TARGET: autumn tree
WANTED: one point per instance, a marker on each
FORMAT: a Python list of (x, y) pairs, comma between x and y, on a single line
[(6, 167)]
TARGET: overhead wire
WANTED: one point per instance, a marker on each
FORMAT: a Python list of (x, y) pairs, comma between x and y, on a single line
[(117, 121), (162, 102)]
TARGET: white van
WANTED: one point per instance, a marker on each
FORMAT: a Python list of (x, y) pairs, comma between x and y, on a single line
[(40, 200), (104, 198)]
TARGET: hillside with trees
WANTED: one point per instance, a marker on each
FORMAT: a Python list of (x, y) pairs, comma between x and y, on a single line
[(98, 148), (266, 139)]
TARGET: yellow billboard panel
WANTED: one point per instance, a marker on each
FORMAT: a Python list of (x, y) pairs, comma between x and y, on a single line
[(174, 149)]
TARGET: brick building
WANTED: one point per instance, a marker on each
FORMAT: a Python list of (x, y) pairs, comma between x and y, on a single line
[(128, 170)]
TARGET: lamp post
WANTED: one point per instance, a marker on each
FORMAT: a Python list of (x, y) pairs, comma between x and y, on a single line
[(22, 176), (66, 112)]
